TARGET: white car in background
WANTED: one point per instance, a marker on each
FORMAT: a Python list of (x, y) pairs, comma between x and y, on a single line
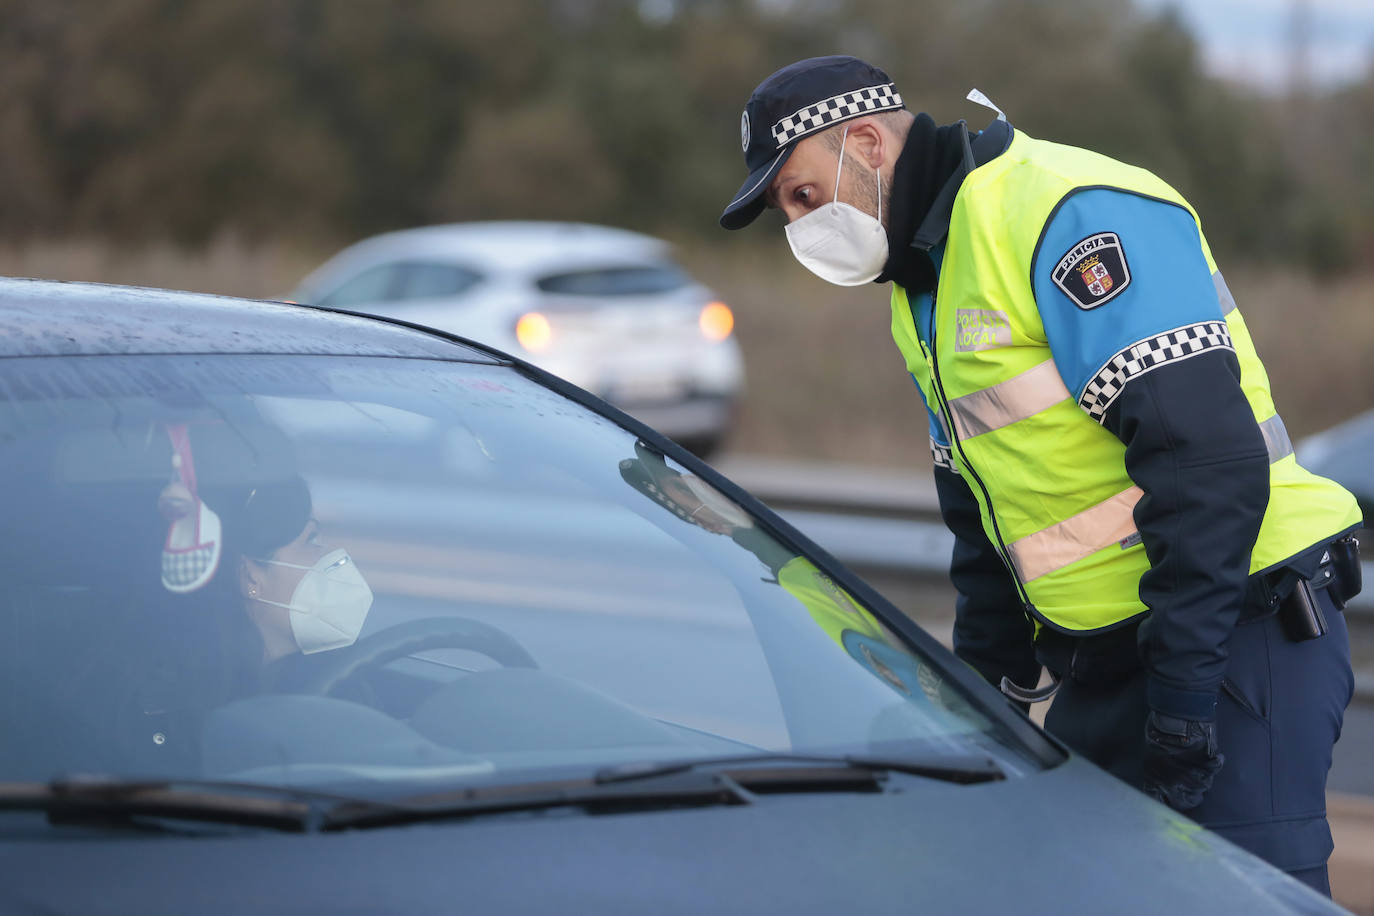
[(606, 309)]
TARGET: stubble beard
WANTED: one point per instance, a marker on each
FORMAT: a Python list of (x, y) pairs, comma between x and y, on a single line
[(859, 188)]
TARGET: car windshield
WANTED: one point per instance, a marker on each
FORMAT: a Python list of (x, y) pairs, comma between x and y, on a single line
[(329, 570)]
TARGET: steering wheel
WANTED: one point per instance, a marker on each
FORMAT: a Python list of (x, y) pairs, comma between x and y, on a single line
[(330, 674)]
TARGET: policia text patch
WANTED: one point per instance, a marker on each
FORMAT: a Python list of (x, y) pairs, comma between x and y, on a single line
[(1093, 271)]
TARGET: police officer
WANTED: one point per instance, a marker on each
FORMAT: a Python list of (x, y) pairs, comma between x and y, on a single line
[(1126, 505)]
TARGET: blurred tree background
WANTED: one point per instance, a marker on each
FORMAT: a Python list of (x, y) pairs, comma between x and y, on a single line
[(168, 126), (332, 119)]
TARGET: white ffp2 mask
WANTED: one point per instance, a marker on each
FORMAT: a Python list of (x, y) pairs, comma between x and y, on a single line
[(838, 242), (329, 604)]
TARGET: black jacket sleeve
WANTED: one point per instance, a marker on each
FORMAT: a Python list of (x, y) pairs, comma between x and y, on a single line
[(1194, 448), (991, 631)]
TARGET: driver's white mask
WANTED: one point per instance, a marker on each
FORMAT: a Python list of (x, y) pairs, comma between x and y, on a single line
[(838, 242), (329, 604)]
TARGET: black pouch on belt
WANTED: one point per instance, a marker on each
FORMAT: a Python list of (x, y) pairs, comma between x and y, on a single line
[(1336, 572), (1345, 563), (1300, 614)]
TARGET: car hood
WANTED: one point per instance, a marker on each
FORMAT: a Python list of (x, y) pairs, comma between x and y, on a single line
[(1068, 840)]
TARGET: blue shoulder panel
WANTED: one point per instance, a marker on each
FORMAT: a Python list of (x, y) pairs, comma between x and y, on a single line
[(1122, 286), (937, 432), (921, 307)]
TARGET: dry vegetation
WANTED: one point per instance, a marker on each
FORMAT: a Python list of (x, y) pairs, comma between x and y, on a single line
[(824, 379), (226, 266)]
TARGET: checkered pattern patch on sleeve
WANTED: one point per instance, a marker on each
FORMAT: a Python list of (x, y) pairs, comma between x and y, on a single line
[(836, 108), (1150, 353), (943, 455)]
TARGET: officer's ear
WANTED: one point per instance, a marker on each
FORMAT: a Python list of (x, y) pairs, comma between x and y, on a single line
[(868, 143)]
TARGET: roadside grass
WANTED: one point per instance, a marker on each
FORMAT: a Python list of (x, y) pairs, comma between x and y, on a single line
[(824, 380)]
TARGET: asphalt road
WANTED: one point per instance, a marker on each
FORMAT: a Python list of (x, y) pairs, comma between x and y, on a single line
[(1351, 770)]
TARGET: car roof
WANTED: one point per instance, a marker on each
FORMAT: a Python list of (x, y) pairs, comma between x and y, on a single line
[(51, 318), (518, 246)]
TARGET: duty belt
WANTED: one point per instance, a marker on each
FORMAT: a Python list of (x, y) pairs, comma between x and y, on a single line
[(1269, 589), (1333, 566)]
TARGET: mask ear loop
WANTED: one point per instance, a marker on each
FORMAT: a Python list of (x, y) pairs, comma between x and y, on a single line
[(839, 168), (878, 178)]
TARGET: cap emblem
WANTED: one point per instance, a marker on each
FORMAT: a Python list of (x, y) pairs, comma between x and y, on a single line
[(744, 130)]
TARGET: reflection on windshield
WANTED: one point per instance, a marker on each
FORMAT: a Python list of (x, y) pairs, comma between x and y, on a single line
[(830, 607), (337, 570)]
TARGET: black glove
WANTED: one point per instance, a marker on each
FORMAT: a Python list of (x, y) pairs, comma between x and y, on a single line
[(1181, 760)]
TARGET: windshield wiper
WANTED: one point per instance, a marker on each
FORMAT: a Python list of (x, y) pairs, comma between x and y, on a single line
[(961, 769), (696, 782), (689, 790), (112, 801), (736, 780)]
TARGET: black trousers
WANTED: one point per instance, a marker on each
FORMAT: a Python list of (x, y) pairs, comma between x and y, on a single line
[(1278, 717)]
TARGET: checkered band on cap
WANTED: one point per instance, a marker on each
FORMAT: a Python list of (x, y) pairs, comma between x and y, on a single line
[(181, 568), (1150, 353), (836, 108)]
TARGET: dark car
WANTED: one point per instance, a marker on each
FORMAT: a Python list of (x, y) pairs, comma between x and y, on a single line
[(310, 612)]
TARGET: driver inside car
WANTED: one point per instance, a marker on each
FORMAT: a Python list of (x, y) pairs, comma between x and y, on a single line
[(242, 534), (305, 595)]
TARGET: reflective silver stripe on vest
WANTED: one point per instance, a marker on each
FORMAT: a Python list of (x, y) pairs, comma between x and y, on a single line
[(1109, 522), (1276, 440), (944, 427), (1228, 302), (1020, 396)]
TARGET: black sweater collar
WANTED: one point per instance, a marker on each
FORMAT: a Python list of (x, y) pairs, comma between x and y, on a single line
[(926, 177)]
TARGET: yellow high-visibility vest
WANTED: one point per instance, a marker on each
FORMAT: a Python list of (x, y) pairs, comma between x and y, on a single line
[(1050, 480)]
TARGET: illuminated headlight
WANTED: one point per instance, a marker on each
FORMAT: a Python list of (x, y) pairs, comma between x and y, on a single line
[(534, 332), (716, 321)]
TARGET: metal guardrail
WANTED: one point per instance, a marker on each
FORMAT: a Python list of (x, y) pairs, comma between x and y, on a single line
[(880, 518), (841, 488), (869, 518), (890, 521)]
